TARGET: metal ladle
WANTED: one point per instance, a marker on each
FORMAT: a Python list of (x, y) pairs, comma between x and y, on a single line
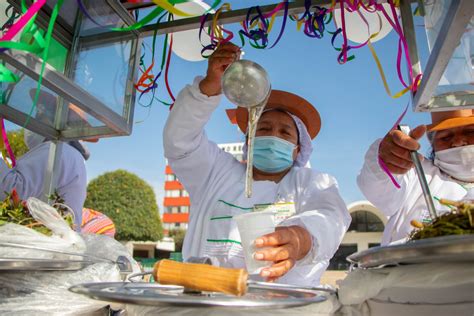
[(246, 84)]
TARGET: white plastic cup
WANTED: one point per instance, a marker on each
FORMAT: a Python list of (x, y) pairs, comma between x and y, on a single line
[(252, 226)]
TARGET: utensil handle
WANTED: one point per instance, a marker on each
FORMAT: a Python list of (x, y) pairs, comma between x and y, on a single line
[(421, 177), (201, 277), (276, 286)]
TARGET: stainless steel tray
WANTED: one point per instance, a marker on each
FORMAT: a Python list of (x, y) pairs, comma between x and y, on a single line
[(459, 248), (26, 264), (157, 294), (122, 262)]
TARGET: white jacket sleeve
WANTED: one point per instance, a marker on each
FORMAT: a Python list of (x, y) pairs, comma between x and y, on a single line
[(322, 211), (72, 183), (28, 175), (190, 154), (378, 188)]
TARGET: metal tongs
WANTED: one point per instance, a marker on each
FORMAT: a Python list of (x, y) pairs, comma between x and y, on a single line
[(122, 262), (421, 176)]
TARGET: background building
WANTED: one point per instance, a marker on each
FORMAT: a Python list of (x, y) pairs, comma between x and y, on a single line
[(235, 149), (365, 231), (176, 203)]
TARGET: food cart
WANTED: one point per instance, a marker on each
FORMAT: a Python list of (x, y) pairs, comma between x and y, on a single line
[(84, 29)]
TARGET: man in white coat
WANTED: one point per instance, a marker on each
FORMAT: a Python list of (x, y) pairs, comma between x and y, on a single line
[(28, 175), (449, 172), (302, 245)]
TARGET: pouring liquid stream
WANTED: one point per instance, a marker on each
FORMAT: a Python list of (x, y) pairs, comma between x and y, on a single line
[(247, 85), (254, 114)]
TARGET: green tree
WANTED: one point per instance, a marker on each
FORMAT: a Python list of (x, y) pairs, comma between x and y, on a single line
[(129, 201), (17, 143), (178, 236)]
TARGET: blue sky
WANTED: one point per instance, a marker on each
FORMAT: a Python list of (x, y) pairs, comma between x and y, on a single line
[(352, 102)]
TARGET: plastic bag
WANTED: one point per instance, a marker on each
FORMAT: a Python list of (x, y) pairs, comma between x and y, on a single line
[(46, 293), (63, 238)]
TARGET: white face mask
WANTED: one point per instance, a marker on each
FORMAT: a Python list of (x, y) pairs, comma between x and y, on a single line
[(32, 139), (458, 162)]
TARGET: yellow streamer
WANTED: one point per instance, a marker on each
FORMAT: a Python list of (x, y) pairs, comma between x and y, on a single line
[(271, 23), (170, 8), (299, 22), (382, 75), (217, 29)]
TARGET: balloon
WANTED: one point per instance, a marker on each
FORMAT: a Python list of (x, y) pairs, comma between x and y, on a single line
[(186, 44), (356, 28)]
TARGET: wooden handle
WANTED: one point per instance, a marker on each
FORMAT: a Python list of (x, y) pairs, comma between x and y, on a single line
[(201, 277)]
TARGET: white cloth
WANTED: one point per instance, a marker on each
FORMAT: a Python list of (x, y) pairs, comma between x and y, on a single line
[(407, 203), (215, 182), (458, 162), (306, 146), (416, 289), (28, 175)]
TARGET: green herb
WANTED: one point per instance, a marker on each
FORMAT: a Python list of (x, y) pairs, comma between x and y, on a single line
[(460, 221), (14, 210)]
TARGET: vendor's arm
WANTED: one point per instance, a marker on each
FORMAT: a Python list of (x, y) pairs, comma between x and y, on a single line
[(191, 155), (303, 244), (394, 150), (28, 174), (27, 177)]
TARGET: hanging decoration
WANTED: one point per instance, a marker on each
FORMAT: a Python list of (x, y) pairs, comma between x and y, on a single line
[(350, 25), (5, 148), (218, 35), (188, 44)]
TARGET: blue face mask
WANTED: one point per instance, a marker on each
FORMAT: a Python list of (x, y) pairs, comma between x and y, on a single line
[(272, 154)]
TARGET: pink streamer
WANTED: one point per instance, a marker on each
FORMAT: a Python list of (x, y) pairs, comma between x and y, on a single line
[(389, 174), (402, 43), (344, 35), (24, 19), (7, 144), (381, 162)]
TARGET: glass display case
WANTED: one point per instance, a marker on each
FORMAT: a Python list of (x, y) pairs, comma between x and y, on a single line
[(92, 94), (448, 78)]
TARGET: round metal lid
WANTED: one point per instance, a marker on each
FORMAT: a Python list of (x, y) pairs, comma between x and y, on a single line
[(156, 294), (457, 248)]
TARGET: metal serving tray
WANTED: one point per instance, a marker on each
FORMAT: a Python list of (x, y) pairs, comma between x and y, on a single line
[(459, 248), (20, 264), (157, 294)]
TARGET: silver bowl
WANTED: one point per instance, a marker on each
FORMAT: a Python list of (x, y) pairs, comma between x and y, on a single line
[(246, 83)]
